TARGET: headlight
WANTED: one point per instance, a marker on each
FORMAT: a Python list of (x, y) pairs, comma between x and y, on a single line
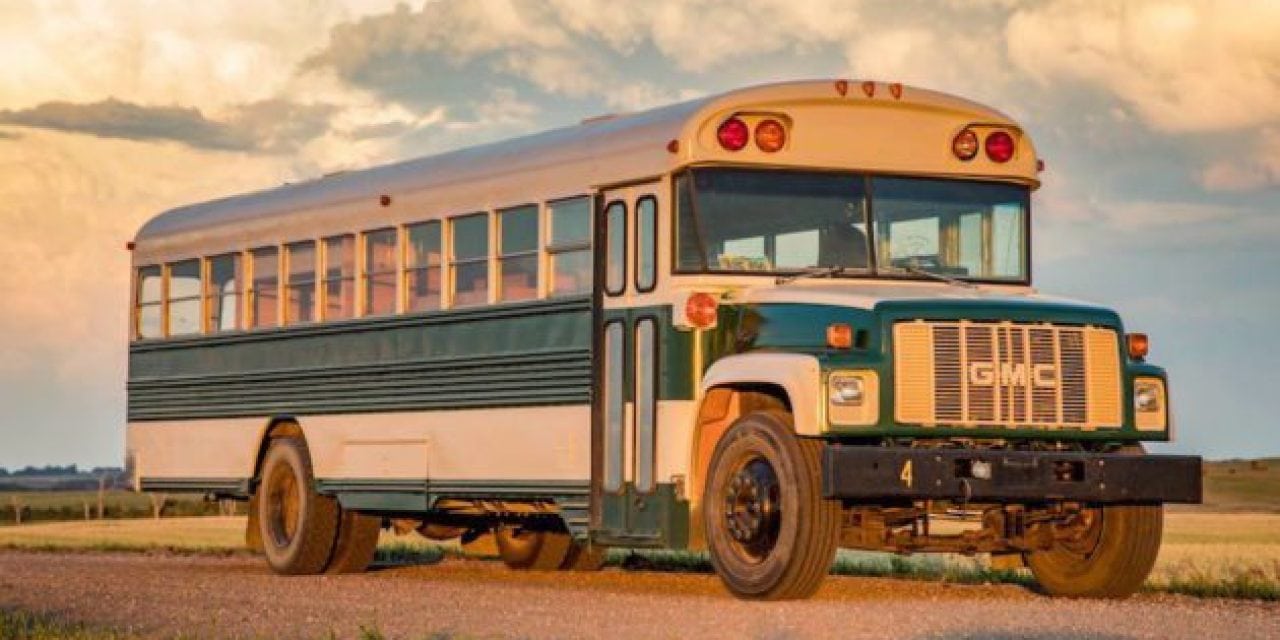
[(1146, 397), (1150, 407), (847, 390), (853, 398)]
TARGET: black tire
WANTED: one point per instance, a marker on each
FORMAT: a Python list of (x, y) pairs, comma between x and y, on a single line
[(532, 550), (298, 526), (582, 557), (783, 546), (1110, 557), (357, 541)]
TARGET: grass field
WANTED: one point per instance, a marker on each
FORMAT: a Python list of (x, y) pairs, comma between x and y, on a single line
[(1204, 554), (1242, 485), (45, 506)]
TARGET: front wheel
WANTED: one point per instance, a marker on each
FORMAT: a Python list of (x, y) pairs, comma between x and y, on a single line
[(770, 532), (1104, 552)]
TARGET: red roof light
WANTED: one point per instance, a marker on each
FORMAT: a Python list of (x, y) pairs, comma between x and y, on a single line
[(733, 134), (1000, 146)]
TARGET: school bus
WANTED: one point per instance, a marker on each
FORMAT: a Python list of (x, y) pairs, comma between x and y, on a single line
[(767, 324)]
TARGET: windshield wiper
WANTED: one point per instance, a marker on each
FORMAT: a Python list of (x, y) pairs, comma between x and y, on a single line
[(812, 272), (914, 270)]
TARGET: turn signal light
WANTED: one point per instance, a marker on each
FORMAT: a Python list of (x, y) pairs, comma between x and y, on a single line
[(770, 135), (840, 336), (1000, 146), (733, 134), (1138, 344), (701, 310), (965, 145)]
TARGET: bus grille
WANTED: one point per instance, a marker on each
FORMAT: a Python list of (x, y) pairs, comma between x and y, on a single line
[(986, 374)]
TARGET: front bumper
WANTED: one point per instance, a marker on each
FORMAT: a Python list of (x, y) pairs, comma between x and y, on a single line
[(865, 473)]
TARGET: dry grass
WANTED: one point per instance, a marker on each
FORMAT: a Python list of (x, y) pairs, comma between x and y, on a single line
[(1204, 554)]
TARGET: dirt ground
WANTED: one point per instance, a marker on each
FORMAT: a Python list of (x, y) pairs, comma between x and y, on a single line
[(165, 595)]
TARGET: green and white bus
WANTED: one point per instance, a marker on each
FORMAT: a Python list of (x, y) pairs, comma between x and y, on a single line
[(768, 324)]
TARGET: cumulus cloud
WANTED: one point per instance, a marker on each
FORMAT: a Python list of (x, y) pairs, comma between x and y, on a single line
[(1183, 66), (1247, 169), (271, 125)]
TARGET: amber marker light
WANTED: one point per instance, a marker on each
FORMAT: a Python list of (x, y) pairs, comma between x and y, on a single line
[(1138, 345), (771, 135), (839, 336), (965, 145), (700, 309)]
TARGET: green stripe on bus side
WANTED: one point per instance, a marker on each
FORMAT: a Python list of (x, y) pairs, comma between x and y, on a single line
[(511, 355)]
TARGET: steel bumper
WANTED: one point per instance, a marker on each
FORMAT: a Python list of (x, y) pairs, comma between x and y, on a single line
[(878, 473)]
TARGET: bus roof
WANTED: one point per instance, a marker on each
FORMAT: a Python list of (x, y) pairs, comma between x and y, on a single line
[(596, 152)]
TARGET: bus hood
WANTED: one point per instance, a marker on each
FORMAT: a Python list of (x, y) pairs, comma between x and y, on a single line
[(881, 296)]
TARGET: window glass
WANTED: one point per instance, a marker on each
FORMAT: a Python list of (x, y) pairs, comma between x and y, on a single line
[(570, 246), (615, 405), (266, 288), (646, 404), (380, 272), (300, 305), (646, 247), (518, 260), (768, 221), (471, 260), (616, 244), (184, 298), (222, 297), (339, 277), (422, 266), (953, 228), (150, 291)]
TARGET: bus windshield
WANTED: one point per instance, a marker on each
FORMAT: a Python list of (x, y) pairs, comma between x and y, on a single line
[(782, 222)]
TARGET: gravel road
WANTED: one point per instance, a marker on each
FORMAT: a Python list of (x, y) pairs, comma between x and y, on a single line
[(163, 596)]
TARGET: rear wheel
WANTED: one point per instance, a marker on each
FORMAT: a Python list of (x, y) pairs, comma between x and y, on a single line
[(583, 557), (1104, 552), (357, 541), (531, 549), (770, 532), (298, 526)]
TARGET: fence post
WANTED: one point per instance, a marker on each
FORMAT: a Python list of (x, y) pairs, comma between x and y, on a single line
[(88, 512), (157, 504), (102, 496), (17, 509)]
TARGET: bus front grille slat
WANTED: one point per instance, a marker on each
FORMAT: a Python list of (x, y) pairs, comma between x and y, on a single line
[(1005, 374)]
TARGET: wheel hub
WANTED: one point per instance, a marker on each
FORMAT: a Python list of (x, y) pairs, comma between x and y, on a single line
[(751, 510)]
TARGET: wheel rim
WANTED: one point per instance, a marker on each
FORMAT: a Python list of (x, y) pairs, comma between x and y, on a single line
[(752, 509), (1080, 537), (283, 505)]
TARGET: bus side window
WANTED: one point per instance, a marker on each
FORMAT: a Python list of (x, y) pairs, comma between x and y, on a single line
[(469, 266), (339, 277), (150, 294), (300, 305), (569, 246), (646, 245), (183, 295), (518, 254), (222, 293), (265, 309), (380, 272), (422, 267), (615, 220)]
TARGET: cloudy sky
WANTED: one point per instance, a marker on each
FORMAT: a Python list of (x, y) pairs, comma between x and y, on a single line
[(1159, 121)]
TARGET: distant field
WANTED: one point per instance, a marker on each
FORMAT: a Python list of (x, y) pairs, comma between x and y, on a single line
[(1243, 485), (44, 506)]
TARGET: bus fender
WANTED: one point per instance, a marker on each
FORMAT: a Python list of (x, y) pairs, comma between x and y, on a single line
[(797, 374)]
